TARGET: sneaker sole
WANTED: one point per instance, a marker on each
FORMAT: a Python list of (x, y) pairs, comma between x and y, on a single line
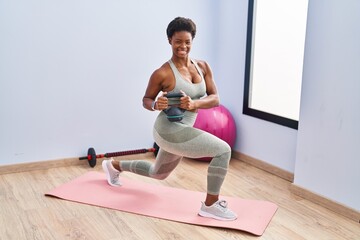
[(103, 164), (209, 215)]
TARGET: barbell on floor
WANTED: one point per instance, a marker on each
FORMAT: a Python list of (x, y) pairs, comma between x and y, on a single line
[(91, 154)]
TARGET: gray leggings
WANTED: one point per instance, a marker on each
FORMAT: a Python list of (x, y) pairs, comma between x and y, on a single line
[(180, 139)]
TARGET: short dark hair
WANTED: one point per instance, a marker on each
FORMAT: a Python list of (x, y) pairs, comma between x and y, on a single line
[(181, 24)]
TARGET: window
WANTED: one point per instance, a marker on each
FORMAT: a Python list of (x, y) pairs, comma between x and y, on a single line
[(274, 60)]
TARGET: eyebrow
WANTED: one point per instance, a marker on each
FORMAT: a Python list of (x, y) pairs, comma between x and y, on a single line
[(179, 39)]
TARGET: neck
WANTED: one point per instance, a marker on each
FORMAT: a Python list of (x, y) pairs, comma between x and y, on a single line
[(181, 62)]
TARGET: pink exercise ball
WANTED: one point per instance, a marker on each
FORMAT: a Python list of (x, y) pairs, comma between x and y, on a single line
[(219, 122)]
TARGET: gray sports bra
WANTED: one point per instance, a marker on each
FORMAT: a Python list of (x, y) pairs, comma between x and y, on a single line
[(194, 90)]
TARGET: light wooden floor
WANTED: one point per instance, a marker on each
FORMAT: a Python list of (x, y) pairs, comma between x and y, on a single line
[(25, 213)]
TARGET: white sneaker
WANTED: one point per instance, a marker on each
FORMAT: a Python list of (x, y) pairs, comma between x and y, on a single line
[(218, 211), (112, 175)]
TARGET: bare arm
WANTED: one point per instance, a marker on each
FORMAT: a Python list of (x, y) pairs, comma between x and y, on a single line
[(156, 84)]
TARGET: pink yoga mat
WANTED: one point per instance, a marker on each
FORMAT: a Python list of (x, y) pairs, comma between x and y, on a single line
[(173, 204)]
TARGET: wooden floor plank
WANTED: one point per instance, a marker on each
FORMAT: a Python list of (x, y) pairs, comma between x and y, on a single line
[(25, 213)]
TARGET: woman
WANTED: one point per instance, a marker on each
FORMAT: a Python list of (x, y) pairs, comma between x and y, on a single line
[(194, 80)]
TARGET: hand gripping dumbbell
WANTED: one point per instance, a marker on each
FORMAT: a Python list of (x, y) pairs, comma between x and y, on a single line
[(174, 113)]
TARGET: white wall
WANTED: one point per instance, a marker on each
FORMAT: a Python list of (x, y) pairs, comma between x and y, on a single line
[(327, 160), (73, 73)]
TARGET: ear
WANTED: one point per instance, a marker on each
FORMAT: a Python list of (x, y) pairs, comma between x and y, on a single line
[(169, 39)]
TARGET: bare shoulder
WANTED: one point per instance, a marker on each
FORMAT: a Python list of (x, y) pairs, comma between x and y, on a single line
[(162, 72), (162, 78), (204, 66)]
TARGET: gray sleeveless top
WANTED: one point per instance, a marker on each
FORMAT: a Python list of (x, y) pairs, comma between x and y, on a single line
[(194, 90)]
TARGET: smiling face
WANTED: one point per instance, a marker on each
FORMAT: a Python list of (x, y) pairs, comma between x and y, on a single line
[(181, 43)]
